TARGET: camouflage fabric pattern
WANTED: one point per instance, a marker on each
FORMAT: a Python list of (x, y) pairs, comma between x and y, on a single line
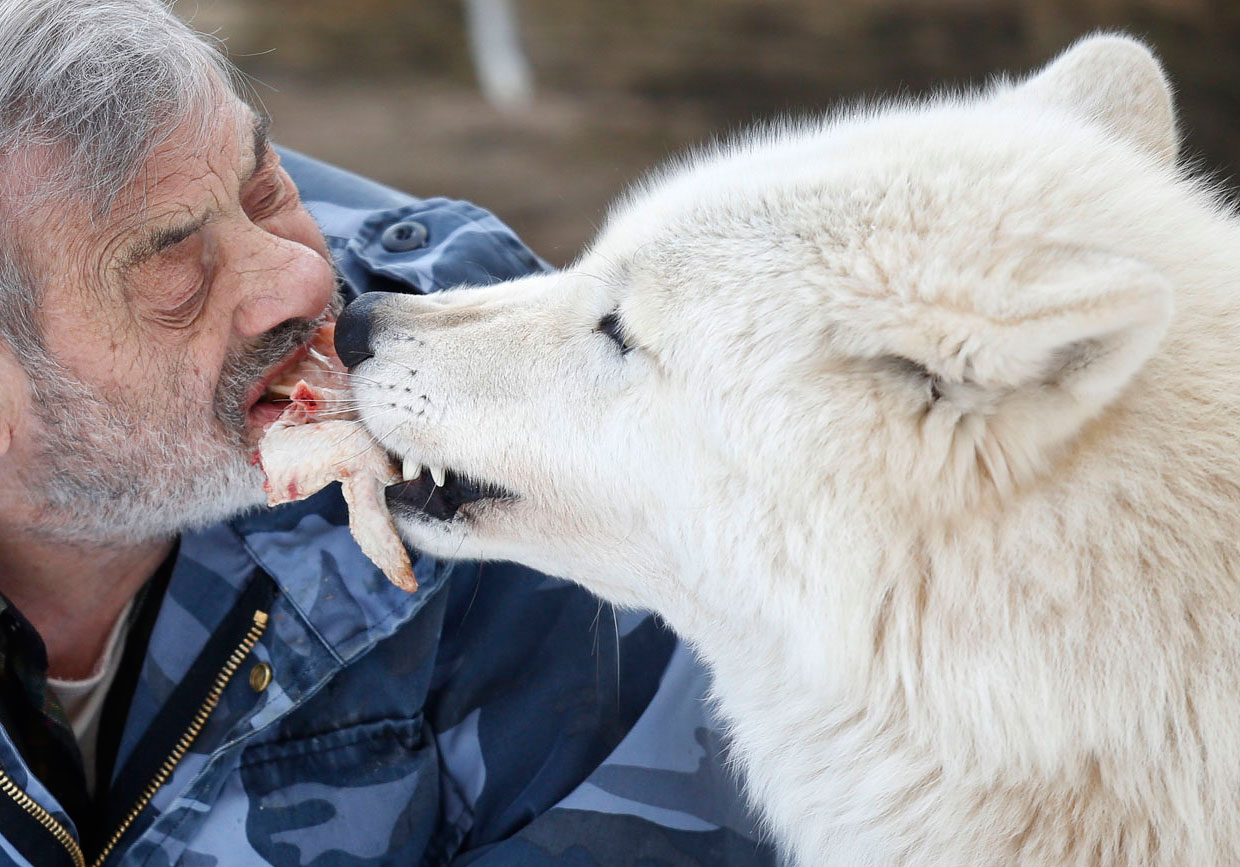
[(495, 717)]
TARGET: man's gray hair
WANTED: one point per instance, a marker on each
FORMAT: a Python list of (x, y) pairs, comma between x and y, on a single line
[(96, 85)]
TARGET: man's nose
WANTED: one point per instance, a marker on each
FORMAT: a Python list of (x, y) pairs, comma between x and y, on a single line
[(283, 280), (354, 328)]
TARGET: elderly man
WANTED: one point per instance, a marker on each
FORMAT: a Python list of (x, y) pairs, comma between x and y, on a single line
[(186, 678)]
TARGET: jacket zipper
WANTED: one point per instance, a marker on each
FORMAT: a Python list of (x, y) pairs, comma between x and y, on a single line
[(62, 835), (43, 817)]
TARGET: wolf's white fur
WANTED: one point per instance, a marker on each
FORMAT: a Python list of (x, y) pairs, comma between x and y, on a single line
[(929, 443)]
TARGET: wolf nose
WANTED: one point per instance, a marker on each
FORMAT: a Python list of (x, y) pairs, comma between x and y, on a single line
[(354, 326)]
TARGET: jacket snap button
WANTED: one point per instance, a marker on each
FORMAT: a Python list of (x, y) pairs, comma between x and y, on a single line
[(260, 676), (403, 236)]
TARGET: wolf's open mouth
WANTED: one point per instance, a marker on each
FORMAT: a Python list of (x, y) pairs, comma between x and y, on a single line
[(442, 500)]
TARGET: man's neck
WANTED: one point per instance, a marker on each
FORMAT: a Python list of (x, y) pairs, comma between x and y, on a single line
[(73, 594)]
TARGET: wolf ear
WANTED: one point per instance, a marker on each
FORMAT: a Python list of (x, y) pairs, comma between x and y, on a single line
[(1115, 81), (1056, 322)]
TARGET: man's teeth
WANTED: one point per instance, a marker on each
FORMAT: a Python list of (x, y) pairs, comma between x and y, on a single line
[(279, 390), (437, 475)]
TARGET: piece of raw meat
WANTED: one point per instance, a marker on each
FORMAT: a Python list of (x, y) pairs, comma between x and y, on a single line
[(313, 444)]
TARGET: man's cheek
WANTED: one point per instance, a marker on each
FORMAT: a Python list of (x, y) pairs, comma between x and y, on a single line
[(182, 382)]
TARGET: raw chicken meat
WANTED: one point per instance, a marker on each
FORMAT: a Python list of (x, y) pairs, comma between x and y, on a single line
[(313, 444)]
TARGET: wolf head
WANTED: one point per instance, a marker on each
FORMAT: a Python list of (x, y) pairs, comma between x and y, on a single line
[(813, 332)]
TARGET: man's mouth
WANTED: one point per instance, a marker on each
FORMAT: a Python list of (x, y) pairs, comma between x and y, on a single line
[(440, 493), (249, 395), (265, 400)]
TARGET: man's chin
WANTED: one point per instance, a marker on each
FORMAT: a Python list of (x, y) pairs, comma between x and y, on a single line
[(110, 512)]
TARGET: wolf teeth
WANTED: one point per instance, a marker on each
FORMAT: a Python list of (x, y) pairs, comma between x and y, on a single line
[(411, 470), (438, 475)]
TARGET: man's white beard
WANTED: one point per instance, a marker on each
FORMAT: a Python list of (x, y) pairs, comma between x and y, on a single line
[(112, 474), (109, 478)]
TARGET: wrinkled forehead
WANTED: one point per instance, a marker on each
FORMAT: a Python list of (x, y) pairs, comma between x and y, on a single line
[(198, 157)]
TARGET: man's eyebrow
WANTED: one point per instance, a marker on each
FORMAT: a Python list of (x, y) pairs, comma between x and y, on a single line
[(262, 146), (156, 241)]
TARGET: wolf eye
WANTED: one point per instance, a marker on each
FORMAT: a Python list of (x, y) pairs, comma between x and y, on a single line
[(610, 325)]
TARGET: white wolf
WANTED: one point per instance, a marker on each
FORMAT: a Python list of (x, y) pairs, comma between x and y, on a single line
[(922, 425)]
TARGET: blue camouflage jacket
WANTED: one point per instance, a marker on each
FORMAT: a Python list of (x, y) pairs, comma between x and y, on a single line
[(281, 702)]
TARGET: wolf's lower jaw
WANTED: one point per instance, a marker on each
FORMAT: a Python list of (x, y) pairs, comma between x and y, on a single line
[(441, 499)]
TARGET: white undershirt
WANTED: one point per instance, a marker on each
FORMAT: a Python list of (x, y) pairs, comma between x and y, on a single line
[(83, 699)]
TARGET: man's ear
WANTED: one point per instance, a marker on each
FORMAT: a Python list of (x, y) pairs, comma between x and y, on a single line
[(1061, 320), (13, 396), (1114, 81)]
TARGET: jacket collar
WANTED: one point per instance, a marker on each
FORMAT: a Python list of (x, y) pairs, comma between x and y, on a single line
[(306, 547)]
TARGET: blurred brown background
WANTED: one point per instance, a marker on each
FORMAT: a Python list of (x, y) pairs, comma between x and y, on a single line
[(387, 87)]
